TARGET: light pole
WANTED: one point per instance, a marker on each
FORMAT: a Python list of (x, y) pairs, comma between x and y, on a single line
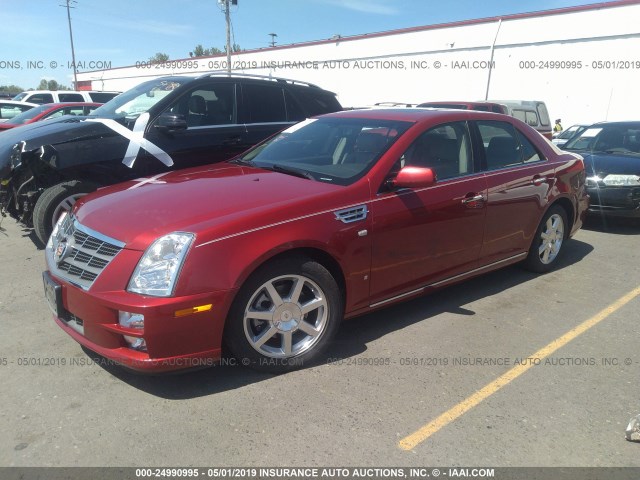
[(73, 53)]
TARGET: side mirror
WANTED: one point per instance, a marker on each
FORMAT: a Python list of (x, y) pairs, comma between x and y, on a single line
[(414, 177), (171, 122)]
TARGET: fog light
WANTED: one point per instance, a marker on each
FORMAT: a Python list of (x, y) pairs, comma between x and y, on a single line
[(135, 321)]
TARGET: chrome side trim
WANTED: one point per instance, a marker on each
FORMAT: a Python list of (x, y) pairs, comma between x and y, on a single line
[(413, 292), (447, 280), (475, 270)]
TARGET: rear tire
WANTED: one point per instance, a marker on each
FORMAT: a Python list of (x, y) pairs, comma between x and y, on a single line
[(548, 241), (284, 315), (56, 200)]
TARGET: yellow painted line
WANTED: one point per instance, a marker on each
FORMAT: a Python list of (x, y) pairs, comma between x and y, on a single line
[(420, 435)]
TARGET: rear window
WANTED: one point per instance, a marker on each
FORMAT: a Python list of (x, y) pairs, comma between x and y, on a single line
[(316, 102), (527, 116), (266, 103)]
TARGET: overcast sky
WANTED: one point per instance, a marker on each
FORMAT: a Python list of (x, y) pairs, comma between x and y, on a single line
[(35, 33)]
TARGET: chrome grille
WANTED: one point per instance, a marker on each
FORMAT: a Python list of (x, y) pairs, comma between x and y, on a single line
[(78, 254)]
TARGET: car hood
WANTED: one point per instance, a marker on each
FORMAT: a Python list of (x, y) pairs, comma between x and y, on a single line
[(602, 164), (212, 202), (70, 136)]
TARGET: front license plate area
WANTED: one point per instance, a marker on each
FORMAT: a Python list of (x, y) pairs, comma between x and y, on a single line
[(53, 294)]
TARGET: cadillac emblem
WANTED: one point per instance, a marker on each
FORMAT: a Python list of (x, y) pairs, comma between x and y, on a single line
[(61, 251)]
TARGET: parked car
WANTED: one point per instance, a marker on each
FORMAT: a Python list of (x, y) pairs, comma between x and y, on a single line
[(532, 112), (611, 152), (334, 217), (464, 105), (11, 108), (561, 138), (47, 111), (162, 124), (64, 96)]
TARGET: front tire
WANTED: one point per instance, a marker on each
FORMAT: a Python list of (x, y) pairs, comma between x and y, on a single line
[(549, 239), (54, 201), (284, 315)]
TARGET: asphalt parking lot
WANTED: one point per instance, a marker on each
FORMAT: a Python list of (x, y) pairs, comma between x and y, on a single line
[(374, 399)]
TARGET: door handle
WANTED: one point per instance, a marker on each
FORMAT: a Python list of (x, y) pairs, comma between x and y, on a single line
[(476, 201), (537, 181), (232, 141)]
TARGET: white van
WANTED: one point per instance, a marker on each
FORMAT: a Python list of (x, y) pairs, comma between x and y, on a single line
[(57, 96), (531, 112)]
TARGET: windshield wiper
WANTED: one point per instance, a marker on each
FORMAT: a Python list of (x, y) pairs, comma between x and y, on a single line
[(290, 171), (623, 151), (243, 161)]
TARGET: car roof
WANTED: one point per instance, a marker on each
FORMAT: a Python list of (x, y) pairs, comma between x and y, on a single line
[(70, 104), (628, 123), (417, 114)]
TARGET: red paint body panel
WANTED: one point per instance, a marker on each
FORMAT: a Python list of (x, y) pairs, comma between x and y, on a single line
[(242, 216)]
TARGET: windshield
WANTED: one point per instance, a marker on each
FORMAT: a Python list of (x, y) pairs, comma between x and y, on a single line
[(608, 138), (139, 99), (20, 96), (332, 150), (570, 132), (24, 117)]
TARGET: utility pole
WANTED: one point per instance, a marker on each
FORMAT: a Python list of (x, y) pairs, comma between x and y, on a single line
[(273, 38), (73, 53), (227, 17)]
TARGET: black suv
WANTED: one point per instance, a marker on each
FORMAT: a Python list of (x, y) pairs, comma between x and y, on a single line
[(162, 124)]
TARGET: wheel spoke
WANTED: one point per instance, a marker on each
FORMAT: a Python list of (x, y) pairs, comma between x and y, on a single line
[(275, 297), (308, 328), (287, 342), (545, 255), (296, 291), (543, 247), (262, 339), (313, 305), (260, 314)]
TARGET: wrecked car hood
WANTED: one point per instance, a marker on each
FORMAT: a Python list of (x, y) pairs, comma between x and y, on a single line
[(72, 138)]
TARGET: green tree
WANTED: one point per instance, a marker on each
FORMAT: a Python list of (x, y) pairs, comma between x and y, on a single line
[(11, 89), (51, 85), (159, 58), (200, 51)]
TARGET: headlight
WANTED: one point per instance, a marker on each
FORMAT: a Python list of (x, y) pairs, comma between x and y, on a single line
[(56, 228), (158, 269), (621, 180), (16, 155)]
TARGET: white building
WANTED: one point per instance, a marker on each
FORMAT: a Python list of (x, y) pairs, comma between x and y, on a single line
[(584, 62)]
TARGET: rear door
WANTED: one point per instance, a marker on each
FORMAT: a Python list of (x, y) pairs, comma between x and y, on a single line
[(264, 111), (518, 182), (422, 236)]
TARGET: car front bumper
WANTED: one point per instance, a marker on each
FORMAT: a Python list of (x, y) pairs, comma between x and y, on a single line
[(615, 201), (172, 342)]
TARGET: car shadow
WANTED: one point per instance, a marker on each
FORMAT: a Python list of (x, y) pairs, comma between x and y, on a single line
[(352, 337), (612, 225)]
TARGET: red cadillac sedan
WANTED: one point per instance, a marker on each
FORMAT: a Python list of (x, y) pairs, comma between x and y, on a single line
[(49, 110), (332, 218)]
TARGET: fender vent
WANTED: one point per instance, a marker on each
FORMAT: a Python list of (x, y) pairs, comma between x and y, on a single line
[(350, 215)]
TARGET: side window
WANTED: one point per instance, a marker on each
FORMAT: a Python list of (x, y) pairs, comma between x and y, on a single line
[(446, 149), (543, 114), (207, 105), (40, 98), (266, 103), (57, 113), (294, 112), (529, 152), (504, 146), (70, 97), (101, 97)]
